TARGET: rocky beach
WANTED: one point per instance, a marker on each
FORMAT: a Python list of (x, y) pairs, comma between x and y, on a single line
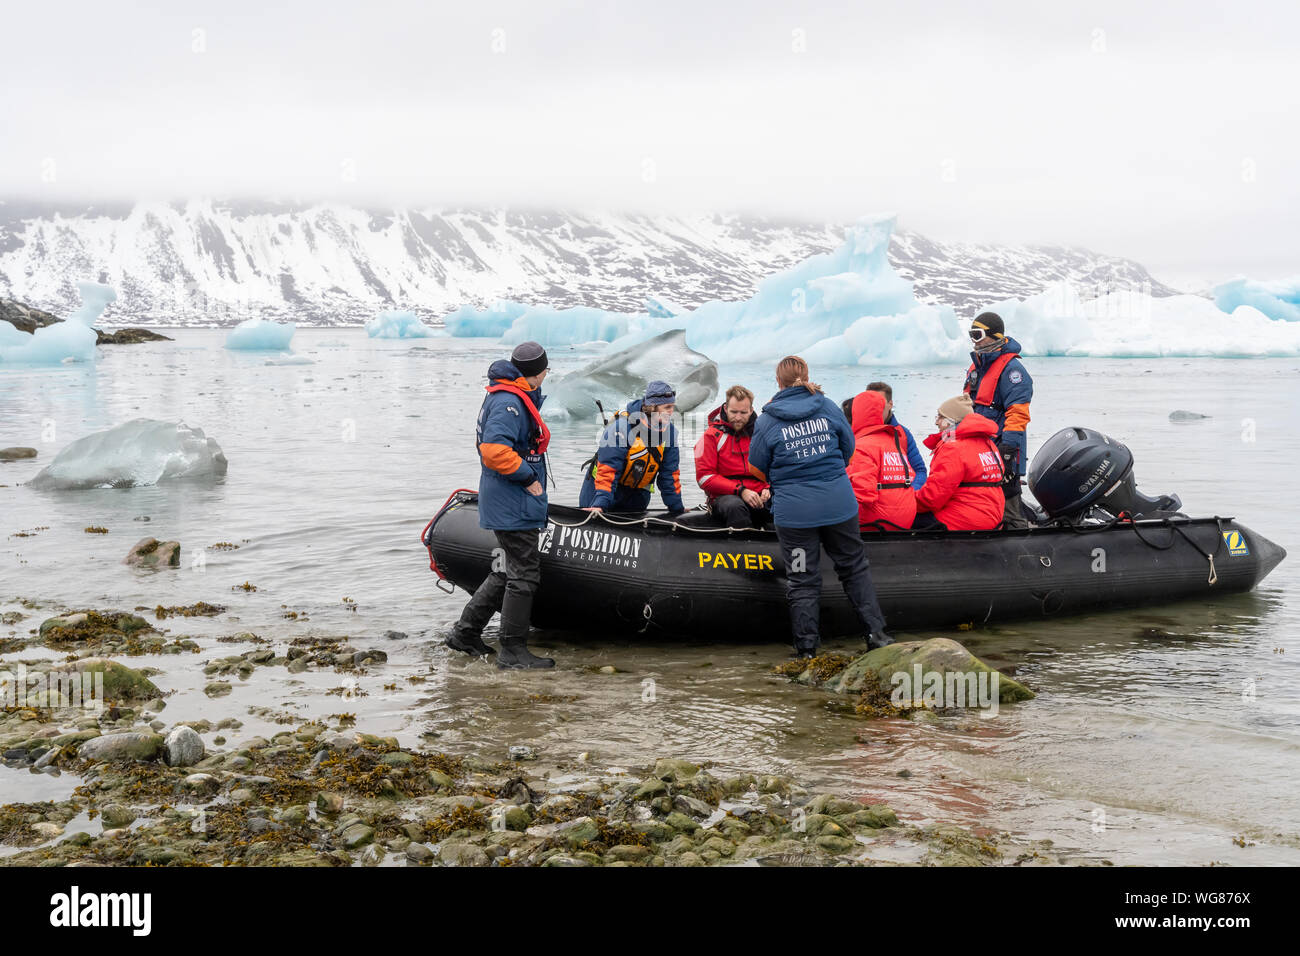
[(324, 792)]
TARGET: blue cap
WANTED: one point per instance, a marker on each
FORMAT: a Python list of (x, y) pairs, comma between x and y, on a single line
[(659, 393)]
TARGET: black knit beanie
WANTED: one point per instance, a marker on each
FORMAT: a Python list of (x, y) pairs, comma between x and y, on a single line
[(529, 358)]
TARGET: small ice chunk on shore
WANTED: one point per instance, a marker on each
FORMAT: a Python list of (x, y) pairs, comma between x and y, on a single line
[(140, 452)]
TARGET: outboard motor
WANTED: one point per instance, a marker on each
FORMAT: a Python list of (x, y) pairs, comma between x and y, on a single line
[(1079, 471)]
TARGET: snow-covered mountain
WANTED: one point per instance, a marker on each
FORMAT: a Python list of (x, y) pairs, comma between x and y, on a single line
[(215, 263)]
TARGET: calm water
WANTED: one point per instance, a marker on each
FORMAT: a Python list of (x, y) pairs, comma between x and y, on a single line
[(336, 465)]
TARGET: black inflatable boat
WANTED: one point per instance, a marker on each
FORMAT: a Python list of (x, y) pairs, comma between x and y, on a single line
[(650, 575)]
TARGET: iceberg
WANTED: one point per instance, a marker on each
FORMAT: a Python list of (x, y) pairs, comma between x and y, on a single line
[(515, 322), (849, 307), (399, 325), (1277, 299), (811, 306), (140, 452), (491, 322), (623, 375), (817, 302), (256, 334), (1134, 324), (72, 340), (660, 308), (555, 327)]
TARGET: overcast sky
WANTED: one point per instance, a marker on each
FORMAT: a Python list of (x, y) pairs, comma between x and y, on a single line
[(1169, 132)]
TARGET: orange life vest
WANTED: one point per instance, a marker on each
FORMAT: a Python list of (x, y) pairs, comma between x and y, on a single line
[(989, 383)]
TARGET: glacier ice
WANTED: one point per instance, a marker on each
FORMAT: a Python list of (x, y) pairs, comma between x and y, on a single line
[(621, 375), (143, 451), (399, 325), (812, 305), (660, 308), (71, 340), (514, 322), (257, 334), (1277, 299), (1133, 324), (555, 327), (468, 322), (849, 307)]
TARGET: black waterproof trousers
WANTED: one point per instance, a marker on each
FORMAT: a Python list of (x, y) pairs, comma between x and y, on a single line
[(801, 549), (509, 588)]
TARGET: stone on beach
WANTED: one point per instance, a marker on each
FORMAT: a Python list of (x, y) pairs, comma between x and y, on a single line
[(152, 553)]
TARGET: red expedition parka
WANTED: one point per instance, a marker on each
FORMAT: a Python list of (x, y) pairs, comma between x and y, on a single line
[(964, 487), (722, 458), (879, 470)]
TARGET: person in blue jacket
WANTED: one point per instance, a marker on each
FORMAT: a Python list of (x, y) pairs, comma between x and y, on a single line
[(638, 450), (1001, 389), (802, 444), (512, 440)]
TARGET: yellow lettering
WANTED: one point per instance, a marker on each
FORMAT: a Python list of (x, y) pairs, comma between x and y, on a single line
[(704, 556), (765, 562), (734, 559), (750, 563), (719, 561)]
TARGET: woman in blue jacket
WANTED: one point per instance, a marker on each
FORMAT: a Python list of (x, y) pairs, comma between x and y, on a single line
[(802, 445)]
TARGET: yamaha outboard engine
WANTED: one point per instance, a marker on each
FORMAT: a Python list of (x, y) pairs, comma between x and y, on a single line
[(1079, 471)]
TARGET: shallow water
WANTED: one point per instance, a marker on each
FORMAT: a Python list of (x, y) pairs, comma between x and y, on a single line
[(335, 466)]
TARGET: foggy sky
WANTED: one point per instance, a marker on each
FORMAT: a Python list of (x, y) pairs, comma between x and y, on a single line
[(1169, 133)]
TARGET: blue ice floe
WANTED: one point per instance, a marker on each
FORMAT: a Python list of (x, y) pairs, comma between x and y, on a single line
[(1277, 299), (144, 451), (260, 334), (72, 340), (400, 325)]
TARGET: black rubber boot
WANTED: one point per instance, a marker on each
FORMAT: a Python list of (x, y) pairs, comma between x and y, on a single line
[(878, 639), (516, 656), (806, 652), (469, 644)]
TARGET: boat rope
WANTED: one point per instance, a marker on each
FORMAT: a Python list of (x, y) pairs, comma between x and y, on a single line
[(1176, 527), (647, 520)]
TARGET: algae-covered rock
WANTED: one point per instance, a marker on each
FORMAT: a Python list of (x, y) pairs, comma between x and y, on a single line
[(116, 815), (152, 553), (462, 854), (938, 672), (127, 746), (120, 682), (90, 628), (668, 768)]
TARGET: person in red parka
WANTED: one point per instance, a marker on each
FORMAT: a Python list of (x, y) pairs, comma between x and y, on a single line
[(963, 490), (736, 498), (879, 471)]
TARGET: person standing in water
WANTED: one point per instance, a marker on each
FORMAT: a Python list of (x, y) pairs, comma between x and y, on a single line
[(511, 439), (801, 446)]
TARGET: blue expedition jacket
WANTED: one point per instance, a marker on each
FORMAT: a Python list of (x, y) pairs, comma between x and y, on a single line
[(507, 437), (802, 445)]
